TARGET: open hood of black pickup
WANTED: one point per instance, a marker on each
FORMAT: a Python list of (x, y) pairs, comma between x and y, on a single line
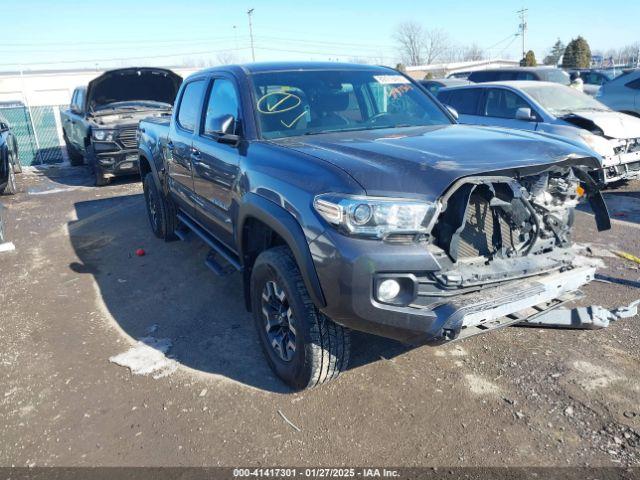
[(133, 84)]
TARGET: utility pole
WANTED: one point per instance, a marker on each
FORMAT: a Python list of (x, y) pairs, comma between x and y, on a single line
[(253, 52), (523, 28)]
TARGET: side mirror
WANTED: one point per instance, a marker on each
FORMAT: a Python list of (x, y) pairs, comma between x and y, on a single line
[(3, 127), (524, 113), (224, 127), (453, 111)]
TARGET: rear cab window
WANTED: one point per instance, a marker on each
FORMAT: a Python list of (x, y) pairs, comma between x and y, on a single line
[(189, 108)]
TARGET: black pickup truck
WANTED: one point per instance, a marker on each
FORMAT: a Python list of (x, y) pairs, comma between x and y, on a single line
[(100, 124), (349, 198)]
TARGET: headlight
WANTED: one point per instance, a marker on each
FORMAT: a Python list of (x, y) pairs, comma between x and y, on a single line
[(376, 217), (104, 135), (598, 144)]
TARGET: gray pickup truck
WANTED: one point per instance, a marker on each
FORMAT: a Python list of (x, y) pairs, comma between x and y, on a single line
[(349, 198), (99, 126)]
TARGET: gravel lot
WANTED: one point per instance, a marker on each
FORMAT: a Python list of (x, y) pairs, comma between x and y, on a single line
[(74, 294)]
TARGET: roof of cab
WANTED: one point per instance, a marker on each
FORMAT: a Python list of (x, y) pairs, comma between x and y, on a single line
[(263, 67)]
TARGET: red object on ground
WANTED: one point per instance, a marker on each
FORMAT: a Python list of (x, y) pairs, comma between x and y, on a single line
[(140, 252)]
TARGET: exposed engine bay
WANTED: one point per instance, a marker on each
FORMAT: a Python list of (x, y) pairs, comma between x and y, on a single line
[(496, 228)]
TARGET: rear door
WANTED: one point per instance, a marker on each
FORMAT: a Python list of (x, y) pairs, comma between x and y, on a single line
[(466, 102), (215, 164), (178, 148), (499, 109)]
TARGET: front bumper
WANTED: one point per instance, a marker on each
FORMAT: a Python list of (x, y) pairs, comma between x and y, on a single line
[(349, 268), (114, 162), (625, 166)]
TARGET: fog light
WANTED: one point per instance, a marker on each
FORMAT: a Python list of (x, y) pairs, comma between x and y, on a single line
[(388, 290), (107, 162)]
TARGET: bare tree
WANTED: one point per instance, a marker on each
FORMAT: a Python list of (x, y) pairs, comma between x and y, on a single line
[(472, 53), (411, 40), (437, 45), (226, 58)]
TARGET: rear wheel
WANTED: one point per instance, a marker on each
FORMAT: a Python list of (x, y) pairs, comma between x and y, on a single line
[(303, 346), (160, 210)]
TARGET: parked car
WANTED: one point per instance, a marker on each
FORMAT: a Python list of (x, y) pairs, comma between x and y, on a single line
[(100, 124), (459, 75), (349, 199), (537, 74), (595, 77), (434, 85), (622, 93), (9, 161), (558, 110)]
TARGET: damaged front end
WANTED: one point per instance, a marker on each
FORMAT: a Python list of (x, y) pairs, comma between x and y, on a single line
[(505, 249)]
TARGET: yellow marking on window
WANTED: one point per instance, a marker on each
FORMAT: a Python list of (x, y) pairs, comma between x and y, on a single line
[(295, 120)]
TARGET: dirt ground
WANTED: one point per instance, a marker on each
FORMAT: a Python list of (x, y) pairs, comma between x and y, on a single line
[(74, 294)]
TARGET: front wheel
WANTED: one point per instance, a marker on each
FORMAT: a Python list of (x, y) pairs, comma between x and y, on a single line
[(17, 168), (303, 346), (11, 188)]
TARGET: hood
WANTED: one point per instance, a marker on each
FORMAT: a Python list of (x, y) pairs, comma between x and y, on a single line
[(424, 161), (133, 84), (613, 124)]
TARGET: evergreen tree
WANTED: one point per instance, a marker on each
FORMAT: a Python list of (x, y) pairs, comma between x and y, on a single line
[(577, 54), (555, 53)]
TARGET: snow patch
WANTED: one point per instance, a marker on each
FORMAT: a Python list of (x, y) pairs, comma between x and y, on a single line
[(481, 386), (148, 357), (7, 247)]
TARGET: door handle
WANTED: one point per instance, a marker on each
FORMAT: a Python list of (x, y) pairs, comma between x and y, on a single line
[(170, 146), (142, 130), (195, 153)]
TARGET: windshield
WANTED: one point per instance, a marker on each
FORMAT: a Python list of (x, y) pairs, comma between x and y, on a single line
[(555, 75), (313, 102), (133, 105), (560, 100)]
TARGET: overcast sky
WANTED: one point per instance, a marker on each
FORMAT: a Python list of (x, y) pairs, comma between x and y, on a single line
[(40, 34)]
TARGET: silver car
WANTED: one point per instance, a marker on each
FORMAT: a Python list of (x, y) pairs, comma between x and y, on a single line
[(622, 93), (557, 110)]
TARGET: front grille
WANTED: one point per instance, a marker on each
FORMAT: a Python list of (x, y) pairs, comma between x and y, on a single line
[(128, 138)]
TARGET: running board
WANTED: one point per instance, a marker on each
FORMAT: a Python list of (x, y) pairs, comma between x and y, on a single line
[(217, 248)]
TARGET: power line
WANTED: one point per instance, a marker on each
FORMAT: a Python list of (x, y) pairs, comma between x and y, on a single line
[(114, 59), (523, 28), (253, 52)]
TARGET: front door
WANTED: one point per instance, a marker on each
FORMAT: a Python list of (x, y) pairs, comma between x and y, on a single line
[(500, 107), (215, 164)]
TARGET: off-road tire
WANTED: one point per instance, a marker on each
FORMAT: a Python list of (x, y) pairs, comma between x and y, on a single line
[(75, 157), (11, 188), (322, 346), (164, 222), (99, 178)]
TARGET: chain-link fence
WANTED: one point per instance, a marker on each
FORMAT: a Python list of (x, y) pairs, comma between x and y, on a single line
[(38, 131)]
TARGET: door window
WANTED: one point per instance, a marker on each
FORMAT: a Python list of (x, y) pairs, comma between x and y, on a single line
[(79, 103), (503, 103), (189, 110), (223, 100), (464, 100)]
